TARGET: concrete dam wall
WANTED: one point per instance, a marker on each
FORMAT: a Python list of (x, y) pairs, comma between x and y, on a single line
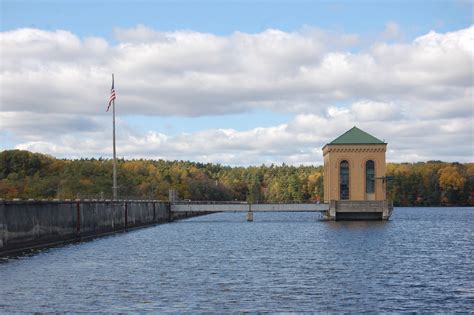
[(29, 224)]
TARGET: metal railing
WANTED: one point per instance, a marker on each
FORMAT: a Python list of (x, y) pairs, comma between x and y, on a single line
[(235, 202)]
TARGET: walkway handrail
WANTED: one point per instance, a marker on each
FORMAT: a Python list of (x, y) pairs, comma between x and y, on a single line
[(209, 202)]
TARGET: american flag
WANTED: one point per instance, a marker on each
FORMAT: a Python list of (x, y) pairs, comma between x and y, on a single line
[(112, 94)]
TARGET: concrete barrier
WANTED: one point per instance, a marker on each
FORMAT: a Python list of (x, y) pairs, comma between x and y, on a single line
[(29, 224)]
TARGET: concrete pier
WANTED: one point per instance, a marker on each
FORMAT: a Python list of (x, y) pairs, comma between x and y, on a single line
[(359, 210), (250, 216)]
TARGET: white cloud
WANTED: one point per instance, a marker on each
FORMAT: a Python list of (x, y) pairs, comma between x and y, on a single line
[(297, 142), (193, 74), (417, 95), (366, 110), (38, 126)]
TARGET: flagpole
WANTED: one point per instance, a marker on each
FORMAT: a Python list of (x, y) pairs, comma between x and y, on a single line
[(114, 187)]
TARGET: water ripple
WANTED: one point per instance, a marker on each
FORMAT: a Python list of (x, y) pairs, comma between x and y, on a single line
[(420, 261)]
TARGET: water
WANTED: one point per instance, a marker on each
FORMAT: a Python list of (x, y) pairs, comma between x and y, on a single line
[(421, 260)]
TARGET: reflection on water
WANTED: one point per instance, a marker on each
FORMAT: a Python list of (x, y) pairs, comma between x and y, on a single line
[(421, 260), (358, 225)]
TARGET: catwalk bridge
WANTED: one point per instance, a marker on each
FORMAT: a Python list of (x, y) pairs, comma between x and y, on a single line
[(249, 208), (340, 209), (219, 206)]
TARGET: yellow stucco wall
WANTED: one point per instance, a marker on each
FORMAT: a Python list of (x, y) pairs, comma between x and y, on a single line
[(357, 155)]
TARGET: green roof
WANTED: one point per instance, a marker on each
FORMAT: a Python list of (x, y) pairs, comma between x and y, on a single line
[(356, 136)]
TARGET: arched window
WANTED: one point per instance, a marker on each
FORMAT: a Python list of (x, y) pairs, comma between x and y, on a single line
[(344, 180), (370, 177)]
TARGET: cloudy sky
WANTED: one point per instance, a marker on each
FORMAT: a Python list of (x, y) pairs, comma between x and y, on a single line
[(238, 83)]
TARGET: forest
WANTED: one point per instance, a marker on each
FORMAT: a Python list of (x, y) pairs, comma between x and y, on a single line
[(25, 175)]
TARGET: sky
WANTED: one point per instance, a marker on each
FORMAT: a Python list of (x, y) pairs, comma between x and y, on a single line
[(237, 82)]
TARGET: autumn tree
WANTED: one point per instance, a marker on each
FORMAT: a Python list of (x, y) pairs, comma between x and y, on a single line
[(32, 175)]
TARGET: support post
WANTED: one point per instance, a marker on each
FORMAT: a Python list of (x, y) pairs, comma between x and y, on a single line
[(332, 210), (126, 214), (170, 213), (113, 214), (78, 218), (250, 213), (172, 195), (387, 210)]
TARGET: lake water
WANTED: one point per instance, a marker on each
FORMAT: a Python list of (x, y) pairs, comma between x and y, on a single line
[(420, 260)]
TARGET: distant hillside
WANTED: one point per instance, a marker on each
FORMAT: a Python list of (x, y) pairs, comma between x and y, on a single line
[(32, 175)]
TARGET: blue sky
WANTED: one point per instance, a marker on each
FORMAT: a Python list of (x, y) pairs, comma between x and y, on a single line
[(373, 23), (98, 18)]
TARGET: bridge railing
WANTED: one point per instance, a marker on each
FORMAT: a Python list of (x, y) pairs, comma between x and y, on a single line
[(212, 202), (185, 202)]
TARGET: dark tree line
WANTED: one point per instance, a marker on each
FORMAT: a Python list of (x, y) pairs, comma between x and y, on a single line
[(32, 175)]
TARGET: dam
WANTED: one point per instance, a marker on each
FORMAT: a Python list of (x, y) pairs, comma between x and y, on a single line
[(354, 189)]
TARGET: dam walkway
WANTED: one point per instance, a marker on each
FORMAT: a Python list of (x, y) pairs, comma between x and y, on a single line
[(222, 206), (247, 207), (340, 209)]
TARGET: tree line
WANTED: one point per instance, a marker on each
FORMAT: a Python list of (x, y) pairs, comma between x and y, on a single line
[(26, 175)]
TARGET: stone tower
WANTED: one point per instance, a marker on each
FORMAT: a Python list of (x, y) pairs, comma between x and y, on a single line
[(354, 167)]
